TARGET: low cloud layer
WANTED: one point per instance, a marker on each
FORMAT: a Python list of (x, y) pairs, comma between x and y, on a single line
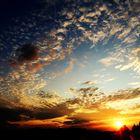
[(71, 111)]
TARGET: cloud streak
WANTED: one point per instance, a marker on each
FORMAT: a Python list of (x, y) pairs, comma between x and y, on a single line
[(123, 59)]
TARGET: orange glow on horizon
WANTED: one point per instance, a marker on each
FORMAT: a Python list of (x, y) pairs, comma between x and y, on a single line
[(119, 124)]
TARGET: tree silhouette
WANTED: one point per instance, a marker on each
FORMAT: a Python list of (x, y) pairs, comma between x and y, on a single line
[(125, 133), (136, 132)]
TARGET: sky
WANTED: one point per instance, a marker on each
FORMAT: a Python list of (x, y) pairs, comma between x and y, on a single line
[(67, 63)]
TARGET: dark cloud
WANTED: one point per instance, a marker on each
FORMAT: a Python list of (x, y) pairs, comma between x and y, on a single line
[(8, 114), (27, 52), (84, 90), (89, 83), (74, 120), (88, 96), (53, 112), (18, 114), (88, 89)]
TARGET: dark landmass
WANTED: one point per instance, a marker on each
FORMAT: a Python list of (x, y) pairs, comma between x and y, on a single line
[(69, 133), (50, 134)]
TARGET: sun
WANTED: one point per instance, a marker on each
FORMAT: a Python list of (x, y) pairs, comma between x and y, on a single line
[(119, 124)]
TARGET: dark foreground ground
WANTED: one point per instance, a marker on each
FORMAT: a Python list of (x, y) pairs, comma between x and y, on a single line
[(58, 134), (68, 133)]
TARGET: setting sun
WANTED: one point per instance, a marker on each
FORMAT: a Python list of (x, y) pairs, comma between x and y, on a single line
[(119, 124)]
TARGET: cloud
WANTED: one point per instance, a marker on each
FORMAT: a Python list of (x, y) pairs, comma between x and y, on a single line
[(124, 94), (87, 90), (35, 67), (46, 123), (74, 122), (26, 57), (94, 101), (133, 61), (86, 98), (10, 115), (89, 83), (29, 58), (70, 66), (47, 102), (135, 5), (123, 59), (110, 79), (30, 102), (108, 61), (69, 32), (21, 113), (27, 52), (134, 83), (79, 111)]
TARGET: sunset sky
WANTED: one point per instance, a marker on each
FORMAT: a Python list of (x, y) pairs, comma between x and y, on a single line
[(70, 63)]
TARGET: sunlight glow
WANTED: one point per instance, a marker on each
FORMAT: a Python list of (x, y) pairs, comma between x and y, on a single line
[(119, 124)]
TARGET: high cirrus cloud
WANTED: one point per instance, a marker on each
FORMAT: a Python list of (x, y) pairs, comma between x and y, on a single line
[(123, 59)]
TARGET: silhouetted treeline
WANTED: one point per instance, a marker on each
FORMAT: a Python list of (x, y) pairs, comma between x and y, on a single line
[(70, 133), (136, 132)]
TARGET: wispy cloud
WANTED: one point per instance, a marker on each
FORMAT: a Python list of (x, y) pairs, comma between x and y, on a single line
[(70, 66), (108, 61), (123, 59), (110, 79), (88, 83), (134, 83)]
